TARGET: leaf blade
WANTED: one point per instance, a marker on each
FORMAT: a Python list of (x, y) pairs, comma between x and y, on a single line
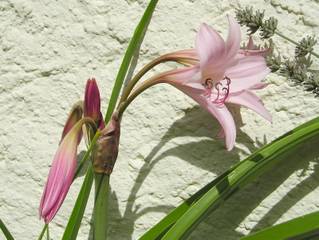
[(5, 231), (304, 227), (246, 171), (75, 219), (135, 43)]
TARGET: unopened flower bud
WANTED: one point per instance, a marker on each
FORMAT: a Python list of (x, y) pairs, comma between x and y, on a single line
[(92, 103)]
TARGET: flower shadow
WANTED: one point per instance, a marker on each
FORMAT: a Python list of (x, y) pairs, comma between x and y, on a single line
[(195, 123)]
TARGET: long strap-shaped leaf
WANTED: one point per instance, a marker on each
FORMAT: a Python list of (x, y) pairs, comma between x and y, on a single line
[(305, 227), (129, 55), (157, 231), (74, 223), (161, 228), (100, 213), (167, 222), (72, 228), (247, 170), (5, 231)]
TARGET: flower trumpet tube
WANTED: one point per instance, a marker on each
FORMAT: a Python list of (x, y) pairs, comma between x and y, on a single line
[(186, 57), (62, 172), (107, 146), (224, 74)]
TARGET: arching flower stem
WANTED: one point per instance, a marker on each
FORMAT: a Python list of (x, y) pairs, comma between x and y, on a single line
[(178, 57), (145, 85)]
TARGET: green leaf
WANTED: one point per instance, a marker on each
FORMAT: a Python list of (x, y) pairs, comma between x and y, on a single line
[(305, 227), (72, 228), (162, 227), (245, 172), (5, 231), (126, 70), (129, 55), (74, 223)]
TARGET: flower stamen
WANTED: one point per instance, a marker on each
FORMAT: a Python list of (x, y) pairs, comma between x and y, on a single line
[(222, 88)]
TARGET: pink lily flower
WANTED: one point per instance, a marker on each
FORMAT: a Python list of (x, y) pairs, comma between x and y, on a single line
[(63, 167), (61, 174), (224, 74)]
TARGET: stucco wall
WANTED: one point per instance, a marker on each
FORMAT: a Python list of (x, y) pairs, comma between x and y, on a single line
[(47, 51)]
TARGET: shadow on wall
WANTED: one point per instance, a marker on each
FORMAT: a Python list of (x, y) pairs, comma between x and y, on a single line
[(195, 123), (223, 222)]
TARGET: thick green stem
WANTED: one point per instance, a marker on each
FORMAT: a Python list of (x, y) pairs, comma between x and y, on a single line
[(100, 214), (294, 42)]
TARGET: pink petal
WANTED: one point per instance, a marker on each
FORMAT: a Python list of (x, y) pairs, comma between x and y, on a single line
[(61, 173), (183, 76), (74, 116), (92, 102), (234, 38), (221, 113), (249, 71), (180, 78), (253, 50), (251, 101), (259, 86), (210, 46)]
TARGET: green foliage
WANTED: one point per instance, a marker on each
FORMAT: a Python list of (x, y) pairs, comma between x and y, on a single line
[(5, 231), (129, 56), (181, 221), (72, 228), (75, 219), (305, 227)]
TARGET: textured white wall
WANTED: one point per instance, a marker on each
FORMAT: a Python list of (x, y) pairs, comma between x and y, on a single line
[(168, 151)]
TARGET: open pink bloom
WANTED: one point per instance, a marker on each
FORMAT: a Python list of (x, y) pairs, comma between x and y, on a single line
[(63, 167), (224, 74)]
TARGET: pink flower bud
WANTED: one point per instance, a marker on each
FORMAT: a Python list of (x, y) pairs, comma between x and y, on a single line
[(92, 103), (61, 173)]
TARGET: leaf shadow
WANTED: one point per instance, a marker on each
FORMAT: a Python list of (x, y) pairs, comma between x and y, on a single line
[(225, 222), (195, 123)]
